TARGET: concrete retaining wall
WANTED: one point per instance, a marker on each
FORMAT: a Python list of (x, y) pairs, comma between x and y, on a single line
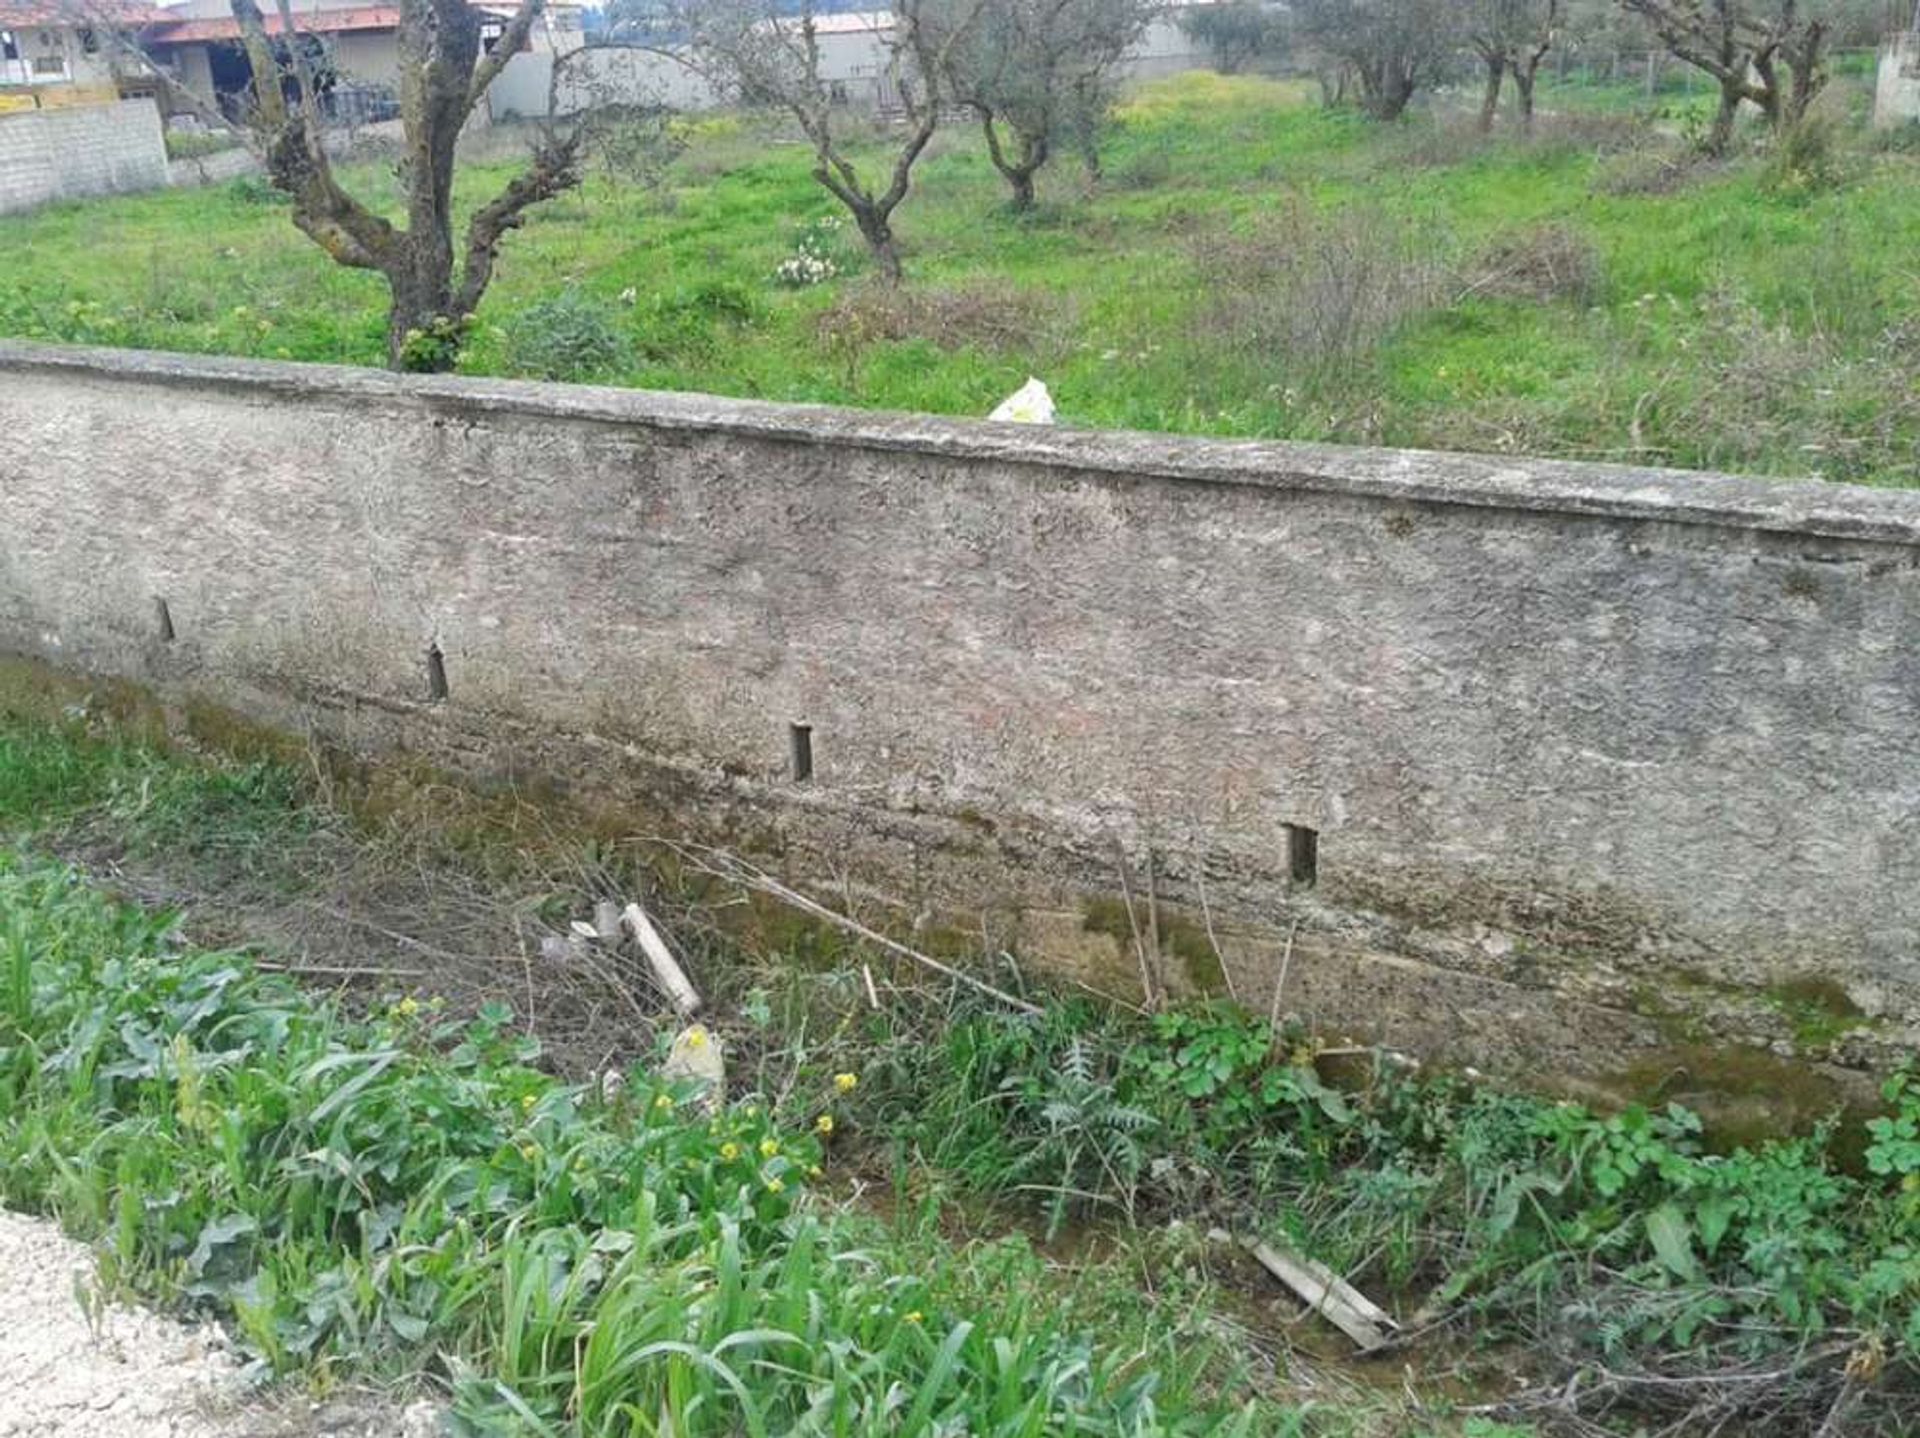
[(214, 169), (73, 153), (1528, 764)]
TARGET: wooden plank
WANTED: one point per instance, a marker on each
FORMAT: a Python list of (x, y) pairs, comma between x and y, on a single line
[(673, 979), (1329, 1295)]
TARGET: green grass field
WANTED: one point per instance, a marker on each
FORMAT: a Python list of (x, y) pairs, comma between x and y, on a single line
[(1250, 265)]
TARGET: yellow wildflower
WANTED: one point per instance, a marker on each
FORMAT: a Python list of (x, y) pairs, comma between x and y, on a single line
[(769, 1147), (846, 1083), (775, 1185), (665, 1100), (696, 1037), (527, 1102), (824, 1123), (814, 1172), (529, 1151), (729, 1152), (916, 1316)]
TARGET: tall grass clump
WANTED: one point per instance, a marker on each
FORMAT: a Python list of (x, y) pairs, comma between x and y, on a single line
[(1313, 295)]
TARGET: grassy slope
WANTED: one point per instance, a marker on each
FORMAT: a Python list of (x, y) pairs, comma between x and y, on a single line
[(1733, 325)]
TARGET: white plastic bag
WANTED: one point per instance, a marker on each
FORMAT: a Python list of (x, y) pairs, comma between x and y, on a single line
[(1030, 404)]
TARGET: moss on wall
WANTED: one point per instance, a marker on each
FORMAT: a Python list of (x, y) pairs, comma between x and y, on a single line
[(1199, 971), (1819, 1008), (1742, 1094)]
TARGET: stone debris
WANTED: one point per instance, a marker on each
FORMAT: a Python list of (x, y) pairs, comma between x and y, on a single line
[(75, 1367)]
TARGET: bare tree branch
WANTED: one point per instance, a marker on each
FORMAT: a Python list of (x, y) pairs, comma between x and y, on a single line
[(510, 43)]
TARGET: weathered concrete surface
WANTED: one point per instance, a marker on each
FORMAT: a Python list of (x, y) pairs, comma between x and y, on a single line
[(1598, 757), (1896, 91)]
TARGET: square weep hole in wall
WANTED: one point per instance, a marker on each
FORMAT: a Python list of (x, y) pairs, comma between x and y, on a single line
[(436, 674), (163, 620), (800, 751), (1303, 855)]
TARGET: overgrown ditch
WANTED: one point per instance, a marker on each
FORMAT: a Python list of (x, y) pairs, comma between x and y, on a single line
[(1018, 1223)]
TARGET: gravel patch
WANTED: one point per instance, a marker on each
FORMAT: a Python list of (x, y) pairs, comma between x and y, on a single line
[(71, 1368)]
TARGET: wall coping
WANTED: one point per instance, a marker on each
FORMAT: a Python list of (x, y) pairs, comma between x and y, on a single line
[(1810, 508)]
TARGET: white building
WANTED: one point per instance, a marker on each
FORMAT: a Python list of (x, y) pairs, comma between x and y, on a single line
[(54, 54), (856, 65), (199, 42)]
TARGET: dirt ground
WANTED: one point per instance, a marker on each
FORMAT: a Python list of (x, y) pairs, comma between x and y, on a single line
[(72, 1367)]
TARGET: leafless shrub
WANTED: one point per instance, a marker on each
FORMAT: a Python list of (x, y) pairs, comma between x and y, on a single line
[(983, 314), (1843, 1383), (1652, 170), (1542, 264), (1588, 132), (1317, 293), (1144, 170), (1447, 139), (1453, 136)]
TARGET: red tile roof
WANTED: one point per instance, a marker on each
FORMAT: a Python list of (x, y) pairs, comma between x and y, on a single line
[(15, 14), (317, 22)]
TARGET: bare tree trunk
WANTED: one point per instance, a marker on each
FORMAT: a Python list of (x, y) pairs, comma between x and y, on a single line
[(1807, 72), (1523, 81), (1386, 91), (1021, 182), (878, 233), (422, 329), (1087, 141), (1720, 136), (1342, 81), (1490, 97), (1018, 169)]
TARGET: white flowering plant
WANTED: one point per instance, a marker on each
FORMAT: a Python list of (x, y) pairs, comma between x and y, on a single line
[(812, 261)]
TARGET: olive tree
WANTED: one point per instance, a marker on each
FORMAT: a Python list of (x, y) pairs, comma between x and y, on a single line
[(765, 52), (443, 73), (1392, 47), (1237, 33), (1512, 37), (1036, 72), (1744, 45)]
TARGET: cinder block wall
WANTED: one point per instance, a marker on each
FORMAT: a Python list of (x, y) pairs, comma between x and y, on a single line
[(83, 150), (1525, 763)]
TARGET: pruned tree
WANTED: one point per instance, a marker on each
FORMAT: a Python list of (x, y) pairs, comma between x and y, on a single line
[(443, 74), (1512, 37), (1335, 78), (1393, 47), (1238, 34), (767, 54), (1036, 72), (1745, 45)]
